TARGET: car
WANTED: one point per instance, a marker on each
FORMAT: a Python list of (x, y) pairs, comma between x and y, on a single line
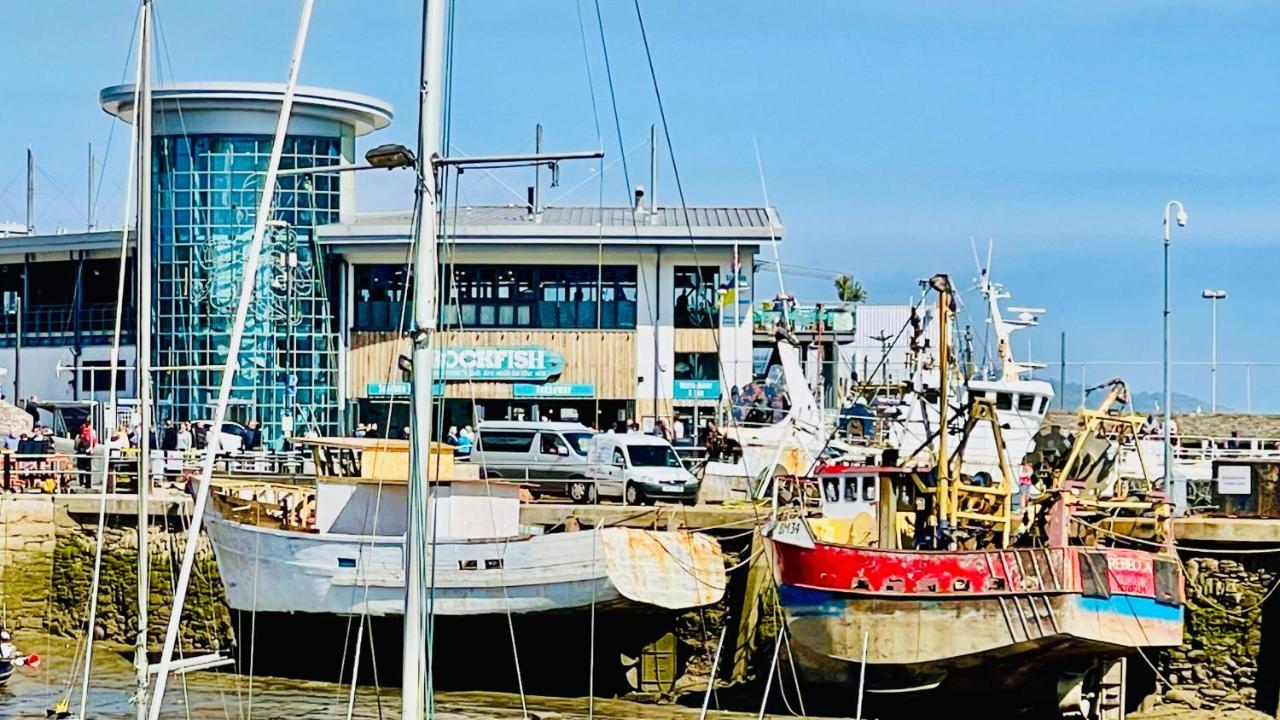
[(231, 438), (550, 456), (641, 469)]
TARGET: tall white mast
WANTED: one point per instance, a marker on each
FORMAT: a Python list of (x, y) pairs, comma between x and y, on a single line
[(143, 118), (416, 667), (248, 280)]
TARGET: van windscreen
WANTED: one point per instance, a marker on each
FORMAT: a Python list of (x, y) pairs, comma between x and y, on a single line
[(653, 456)]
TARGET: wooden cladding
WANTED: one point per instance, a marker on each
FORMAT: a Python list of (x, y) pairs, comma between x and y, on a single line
[(698, 340), (605, 360)]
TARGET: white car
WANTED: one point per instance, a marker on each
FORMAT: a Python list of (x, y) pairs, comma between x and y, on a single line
[(640, 469)]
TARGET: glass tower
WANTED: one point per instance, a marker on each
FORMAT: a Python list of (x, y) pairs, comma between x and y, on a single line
[(206, 193)]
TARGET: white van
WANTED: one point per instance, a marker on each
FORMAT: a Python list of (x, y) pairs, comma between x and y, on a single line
[(640, 469), (550, 456)]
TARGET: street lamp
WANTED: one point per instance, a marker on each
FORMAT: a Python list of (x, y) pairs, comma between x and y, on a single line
[(1175, 488), (386, 157), (1214, 296)]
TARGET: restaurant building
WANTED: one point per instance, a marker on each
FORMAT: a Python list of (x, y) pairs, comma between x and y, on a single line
[(599, 314)]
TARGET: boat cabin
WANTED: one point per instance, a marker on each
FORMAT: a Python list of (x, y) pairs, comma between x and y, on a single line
[(361, 488), (852, 500)]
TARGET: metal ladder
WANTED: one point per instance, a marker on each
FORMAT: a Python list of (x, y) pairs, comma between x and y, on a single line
[(1033, 609)]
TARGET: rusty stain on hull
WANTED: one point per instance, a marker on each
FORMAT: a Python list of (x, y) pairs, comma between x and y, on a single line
[(673, 570)]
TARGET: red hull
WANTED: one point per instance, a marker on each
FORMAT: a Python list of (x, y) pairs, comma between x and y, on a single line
[(969, 618)]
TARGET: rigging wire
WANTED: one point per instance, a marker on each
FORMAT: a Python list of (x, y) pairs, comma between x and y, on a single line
[(113, 394)]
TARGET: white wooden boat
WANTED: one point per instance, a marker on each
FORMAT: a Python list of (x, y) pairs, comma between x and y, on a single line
[(273, 556)]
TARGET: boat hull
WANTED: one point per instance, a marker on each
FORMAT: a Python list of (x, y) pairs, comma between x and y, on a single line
[(967, 619), (273, 570), (966, 643)]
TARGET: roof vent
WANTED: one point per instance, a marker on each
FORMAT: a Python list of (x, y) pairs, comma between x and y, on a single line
[(639, 207)]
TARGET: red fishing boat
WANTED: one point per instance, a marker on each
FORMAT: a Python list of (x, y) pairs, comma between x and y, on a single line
[(895, 579)]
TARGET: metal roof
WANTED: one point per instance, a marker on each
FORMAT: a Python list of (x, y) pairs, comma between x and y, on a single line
[(362, 112), (63, 241), (570, 224)]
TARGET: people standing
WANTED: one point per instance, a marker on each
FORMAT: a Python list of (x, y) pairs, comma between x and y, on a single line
[(466, 440), (85, 443), (32, 409), (253, 436), (169, 436), (183, 440), (451, 437)]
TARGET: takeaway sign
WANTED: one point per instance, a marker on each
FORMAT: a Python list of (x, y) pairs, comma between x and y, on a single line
[(498, 363)]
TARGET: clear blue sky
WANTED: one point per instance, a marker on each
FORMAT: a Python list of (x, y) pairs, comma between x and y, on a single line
[(890, 135)]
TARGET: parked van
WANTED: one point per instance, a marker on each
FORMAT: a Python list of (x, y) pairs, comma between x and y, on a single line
[(641, 469), (551, 456)]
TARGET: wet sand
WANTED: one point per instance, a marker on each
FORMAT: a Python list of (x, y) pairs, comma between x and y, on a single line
[(222, 695)]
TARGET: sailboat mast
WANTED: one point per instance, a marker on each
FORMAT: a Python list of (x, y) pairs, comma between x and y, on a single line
[(416, 667), (143, 118)]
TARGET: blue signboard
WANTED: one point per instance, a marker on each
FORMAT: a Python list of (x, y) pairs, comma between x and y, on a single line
[(387, 389), (695, 390), (393, 389), (553, 390), (498, 363)]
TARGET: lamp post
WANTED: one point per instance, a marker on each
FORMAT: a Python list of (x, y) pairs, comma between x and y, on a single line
[(1176, 489), (1214, 296)]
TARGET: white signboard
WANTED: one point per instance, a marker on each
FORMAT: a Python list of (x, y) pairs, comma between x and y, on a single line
[(1235, 480)]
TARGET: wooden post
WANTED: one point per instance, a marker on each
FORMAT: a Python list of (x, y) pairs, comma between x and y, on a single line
[(758, 580)]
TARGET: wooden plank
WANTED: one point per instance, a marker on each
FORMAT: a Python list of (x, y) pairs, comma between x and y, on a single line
[(603, 359)]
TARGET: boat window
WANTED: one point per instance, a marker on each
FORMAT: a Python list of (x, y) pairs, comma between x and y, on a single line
[(1026, 403), (516, 441), (832, 489), (1044, 402), (467, 565), (869, 491), (552, 444), (1004, 401), (851, 489), (493, 564)]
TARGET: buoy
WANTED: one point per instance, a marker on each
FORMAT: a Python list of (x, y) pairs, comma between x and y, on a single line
[(32, 661)]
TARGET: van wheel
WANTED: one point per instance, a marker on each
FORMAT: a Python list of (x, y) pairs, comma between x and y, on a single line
[(581, 491), (633, 496)]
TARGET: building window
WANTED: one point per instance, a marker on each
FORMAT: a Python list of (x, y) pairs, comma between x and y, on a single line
[(697, 296), (92, 380), (697, 366), (556, 297), (380, 295)]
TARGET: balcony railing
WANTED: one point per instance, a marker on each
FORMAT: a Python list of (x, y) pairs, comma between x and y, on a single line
[(56, 324), (804, 318)]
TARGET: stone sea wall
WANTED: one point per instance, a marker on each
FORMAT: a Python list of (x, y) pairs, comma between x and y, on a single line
[(1229, 656), (47, 561)]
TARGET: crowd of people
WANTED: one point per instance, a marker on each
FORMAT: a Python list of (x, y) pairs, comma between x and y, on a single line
[(759, 402)]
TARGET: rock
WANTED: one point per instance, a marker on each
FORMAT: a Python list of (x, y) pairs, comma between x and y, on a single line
[(1183, 697), (1213, 693)]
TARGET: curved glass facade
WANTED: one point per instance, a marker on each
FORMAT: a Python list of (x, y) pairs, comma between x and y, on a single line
[(206, 193)]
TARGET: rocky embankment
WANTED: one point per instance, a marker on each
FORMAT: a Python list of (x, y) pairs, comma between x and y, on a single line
[(47, 561), (1219, 665)]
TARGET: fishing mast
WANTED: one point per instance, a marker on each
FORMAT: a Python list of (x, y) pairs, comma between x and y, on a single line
[(143, 118), (416, 673)]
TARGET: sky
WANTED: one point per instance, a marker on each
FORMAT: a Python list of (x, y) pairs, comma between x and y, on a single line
[(893, 137)]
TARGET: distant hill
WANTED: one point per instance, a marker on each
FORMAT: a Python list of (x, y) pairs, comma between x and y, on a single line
[(1143, 402)]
